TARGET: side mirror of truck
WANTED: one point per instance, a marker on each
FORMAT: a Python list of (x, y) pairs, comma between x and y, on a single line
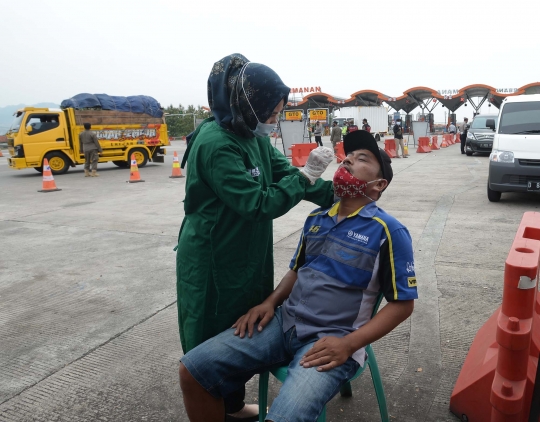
[(490, 123), (29, 128)]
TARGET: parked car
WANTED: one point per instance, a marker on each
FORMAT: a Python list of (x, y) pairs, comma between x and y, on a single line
[(479, 136), (514, 163)]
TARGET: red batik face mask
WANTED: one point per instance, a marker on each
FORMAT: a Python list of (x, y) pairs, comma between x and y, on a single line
[(348, 186)]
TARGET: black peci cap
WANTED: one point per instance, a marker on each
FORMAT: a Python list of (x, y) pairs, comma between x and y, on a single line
[(362, 139)]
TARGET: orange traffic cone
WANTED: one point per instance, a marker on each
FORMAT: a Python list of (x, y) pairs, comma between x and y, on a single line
[(1, 155), (176, 171), (48, 179), (134, 176)]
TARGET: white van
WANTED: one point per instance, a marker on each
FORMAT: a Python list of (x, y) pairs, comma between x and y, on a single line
[(514, 163)]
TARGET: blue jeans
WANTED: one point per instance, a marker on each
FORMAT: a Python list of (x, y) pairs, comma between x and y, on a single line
[(224, 364)]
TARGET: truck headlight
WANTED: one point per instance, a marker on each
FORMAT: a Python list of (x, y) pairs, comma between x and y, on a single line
[(502, 156), (19, 151), (471, 136)]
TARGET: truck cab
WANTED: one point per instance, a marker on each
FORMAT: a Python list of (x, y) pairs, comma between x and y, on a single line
[(35, 130)]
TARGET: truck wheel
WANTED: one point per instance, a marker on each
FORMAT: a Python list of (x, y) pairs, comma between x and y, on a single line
[(39, 169), (493, 195), (58, 162), (377, 137), (121, 164), (140, 155)]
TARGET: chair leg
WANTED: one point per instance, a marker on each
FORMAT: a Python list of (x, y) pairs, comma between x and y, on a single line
[(263, 395), (322, 416), (346, 390), (377, 383)]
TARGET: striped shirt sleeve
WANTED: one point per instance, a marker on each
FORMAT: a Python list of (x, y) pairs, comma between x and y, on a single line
[(396, 269), (299, 257)]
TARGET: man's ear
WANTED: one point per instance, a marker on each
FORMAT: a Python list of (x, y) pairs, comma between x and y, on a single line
[(381, 185)]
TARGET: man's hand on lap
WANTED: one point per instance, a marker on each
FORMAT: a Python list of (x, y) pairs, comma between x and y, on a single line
[(263, 312), (327, 353)]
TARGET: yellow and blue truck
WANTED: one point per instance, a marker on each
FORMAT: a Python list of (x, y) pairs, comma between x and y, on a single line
[(39, 133)]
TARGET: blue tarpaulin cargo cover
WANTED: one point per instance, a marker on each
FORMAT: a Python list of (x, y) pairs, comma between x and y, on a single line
[(134, 103)]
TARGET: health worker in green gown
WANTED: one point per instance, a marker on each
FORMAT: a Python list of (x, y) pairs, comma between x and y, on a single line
[(236, 184)]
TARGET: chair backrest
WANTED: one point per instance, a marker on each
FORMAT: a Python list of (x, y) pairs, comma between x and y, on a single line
[(377, 304)]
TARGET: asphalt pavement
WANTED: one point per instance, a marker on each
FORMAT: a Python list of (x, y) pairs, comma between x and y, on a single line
[(88, 322)]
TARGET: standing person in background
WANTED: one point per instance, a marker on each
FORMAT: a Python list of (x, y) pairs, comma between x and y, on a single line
[(398, 136), (91, 148), (237, 183), (452, 128), (317, 131), (335, 135), (463, 134), (352, 127), (344, 128), (366, 126)]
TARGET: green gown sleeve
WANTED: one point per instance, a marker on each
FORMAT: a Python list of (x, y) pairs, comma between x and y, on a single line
[(239, 191), (321, 193)]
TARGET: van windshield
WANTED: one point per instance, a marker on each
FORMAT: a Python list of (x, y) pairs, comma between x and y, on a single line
[(479, 122), (520, 118), (340, 120), (16, 122)]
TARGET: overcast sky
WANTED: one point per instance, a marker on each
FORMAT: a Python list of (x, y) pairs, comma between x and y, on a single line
[(53, 50)]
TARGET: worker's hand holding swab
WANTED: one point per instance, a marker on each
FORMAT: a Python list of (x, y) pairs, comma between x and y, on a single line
[(317, 162)]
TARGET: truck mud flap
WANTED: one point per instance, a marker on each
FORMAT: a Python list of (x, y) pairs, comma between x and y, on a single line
[(158, 159)]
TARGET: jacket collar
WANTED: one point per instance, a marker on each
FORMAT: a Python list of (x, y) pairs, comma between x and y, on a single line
[(367, 211)]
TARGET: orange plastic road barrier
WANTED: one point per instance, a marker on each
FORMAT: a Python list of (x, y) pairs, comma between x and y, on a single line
[(48, 179), (300, 153), (340, 152), (390, 147), (176, 170), (450, 139), (134, 176), (1, 155), (497, 378), (434, 145), (423, 144), (456, 139), (444, 144), (446, 139)]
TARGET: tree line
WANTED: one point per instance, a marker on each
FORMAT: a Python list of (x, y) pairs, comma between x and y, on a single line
[(182, 125)]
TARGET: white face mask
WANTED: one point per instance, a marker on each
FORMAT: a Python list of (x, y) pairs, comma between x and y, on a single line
[(262, 129)]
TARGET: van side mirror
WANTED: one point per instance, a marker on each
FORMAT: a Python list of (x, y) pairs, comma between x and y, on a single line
[(490, 123), (29, 128)]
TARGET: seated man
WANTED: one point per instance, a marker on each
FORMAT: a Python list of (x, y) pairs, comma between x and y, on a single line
[(347, 255)]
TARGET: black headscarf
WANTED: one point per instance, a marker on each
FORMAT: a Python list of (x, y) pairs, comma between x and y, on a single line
[(232, 82)]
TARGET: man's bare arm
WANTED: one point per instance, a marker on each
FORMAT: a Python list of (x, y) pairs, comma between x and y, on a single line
[(265, 311), (329, 352)]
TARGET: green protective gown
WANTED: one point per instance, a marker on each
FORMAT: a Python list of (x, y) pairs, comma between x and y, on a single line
[(235, 187)]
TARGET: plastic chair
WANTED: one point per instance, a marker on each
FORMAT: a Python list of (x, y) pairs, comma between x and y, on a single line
[(346, 391)]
